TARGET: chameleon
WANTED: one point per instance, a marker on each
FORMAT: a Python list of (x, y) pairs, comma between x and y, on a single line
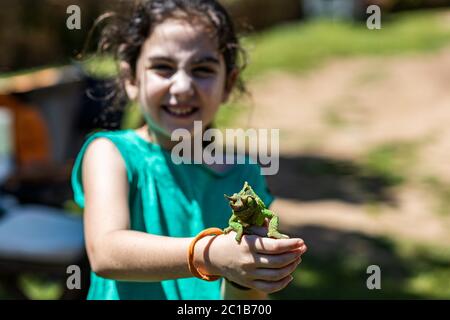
[(248, 210)]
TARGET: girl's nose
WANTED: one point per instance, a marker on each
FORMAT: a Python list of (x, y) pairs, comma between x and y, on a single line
[(181, 85)]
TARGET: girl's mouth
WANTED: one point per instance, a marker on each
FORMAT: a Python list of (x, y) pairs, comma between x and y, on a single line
[(180, 111)]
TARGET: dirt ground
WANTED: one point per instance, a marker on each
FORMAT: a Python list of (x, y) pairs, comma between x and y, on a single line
[(342, 111)]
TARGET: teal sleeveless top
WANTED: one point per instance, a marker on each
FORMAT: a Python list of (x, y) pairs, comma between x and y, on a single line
[(169, 200)]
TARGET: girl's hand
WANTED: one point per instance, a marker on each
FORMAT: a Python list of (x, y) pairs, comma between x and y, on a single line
[(259, 263)]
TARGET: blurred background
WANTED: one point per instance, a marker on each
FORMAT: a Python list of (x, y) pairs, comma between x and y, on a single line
[(365, 142)]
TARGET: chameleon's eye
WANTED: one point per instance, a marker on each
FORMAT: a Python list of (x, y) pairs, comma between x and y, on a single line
[(250, 201)]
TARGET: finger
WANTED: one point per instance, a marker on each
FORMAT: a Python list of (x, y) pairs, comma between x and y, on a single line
[(301, 250), (272, 246), (276, 274), (271, 286), (277, 261)]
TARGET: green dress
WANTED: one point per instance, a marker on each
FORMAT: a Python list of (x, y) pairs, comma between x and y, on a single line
[(170, 200)]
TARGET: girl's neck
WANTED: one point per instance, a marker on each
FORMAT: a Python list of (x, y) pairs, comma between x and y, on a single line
[(151, 137), (167, 144)]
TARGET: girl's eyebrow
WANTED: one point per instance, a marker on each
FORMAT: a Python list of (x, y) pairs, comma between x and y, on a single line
[(163, 58), (206, 59)]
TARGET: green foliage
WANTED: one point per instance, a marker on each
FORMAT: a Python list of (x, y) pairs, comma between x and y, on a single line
[(420, 272), (298, 47), (38, 288), (227, 114), (101, 67), (390, 161), (334, 118), (132, 118), (441, 192)]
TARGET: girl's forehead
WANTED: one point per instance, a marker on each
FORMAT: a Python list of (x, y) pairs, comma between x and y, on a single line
[(180, 37)]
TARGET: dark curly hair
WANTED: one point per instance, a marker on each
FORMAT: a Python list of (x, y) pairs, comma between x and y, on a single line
[(125, 33)]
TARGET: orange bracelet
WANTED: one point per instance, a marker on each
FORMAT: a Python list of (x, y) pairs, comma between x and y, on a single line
[(192, 268)]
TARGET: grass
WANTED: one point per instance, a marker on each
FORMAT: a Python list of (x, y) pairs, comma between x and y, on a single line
[(299, 47), (225, 118), (333, 118), (391, 161), (370, 179), (420, 272), (441, 192), (38, 288)]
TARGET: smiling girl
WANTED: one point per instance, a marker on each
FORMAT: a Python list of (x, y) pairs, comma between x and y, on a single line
[(178, 60)]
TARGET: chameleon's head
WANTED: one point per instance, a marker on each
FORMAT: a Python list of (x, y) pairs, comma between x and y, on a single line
[(241, 203), (244, 203)]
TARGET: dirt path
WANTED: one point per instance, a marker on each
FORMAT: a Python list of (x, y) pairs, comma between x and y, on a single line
[(351, 106)]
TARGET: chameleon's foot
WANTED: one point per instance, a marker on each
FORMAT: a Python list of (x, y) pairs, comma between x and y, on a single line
[(238, 237), (238, 234), (277, 235), (227, 230)]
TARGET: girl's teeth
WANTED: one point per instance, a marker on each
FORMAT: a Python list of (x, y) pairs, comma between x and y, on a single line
[(180, 112)]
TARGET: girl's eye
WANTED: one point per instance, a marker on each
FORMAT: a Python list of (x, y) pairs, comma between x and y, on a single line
[(203, 72), (162, 69)]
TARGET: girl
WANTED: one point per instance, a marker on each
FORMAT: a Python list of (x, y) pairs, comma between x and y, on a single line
[(179, 60)]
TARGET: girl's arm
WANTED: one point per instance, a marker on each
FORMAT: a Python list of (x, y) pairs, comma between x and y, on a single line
[(116, 252)]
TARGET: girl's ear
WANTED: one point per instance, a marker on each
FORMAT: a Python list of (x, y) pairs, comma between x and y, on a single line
[(130, 82), (230, 82)]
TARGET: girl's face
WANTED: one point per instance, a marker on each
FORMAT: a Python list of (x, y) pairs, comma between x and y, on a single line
[(180, 76)]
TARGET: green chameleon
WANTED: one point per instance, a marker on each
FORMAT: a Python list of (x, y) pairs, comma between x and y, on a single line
[(249, 210)]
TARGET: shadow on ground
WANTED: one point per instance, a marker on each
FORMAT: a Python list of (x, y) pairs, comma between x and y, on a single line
[(335, 267), (312, 178)]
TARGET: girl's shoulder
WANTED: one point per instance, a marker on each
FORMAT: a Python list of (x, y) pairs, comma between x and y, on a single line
[(117, 136), (109, 152), (108, 147), (126, 141)]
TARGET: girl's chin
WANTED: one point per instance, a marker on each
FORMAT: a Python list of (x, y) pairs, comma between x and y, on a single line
[(171, 124)]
